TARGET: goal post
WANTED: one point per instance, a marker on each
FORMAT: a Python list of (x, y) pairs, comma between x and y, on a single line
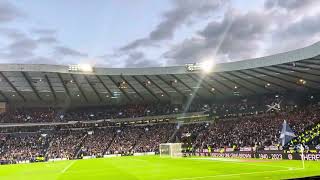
[(171, 150)]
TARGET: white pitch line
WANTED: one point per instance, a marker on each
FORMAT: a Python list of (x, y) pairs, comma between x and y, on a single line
[(249, 164), (239, 174), (67, 167)]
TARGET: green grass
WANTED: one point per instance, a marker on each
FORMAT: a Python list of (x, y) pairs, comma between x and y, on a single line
[(156, 168)]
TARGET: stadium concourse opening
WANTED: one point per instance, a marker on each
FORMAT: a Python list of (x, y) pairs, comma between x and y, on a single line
[(252, 119)]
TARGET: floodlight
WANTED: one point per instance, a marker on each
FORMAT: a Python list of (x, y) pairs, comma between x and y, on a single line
[(85, 67), (81, 68), (207, 66)]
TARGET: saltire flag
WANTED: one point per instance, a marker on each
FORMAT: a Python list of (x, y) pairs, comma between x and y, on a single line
[(286, 134)]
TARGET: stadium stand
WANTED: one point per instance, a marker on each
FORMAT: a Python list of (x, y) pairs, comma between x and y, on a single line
[(56, 113), (257, 130)]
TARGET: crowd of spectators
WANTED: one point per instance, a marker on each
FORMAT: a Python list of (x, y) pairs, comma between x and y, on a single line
[(97, 142), (237, 129), (125, 140), (20, 147), (40, 115), (233, 108), (249, 131), (152, 136), (65, 143), (23, 115)]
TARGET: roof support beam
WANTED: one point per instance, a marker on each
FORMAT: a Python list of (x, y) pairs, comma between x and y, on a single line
[(237, 84), (223, 84), (291, 75), (289, 68), (51, 88), (31, 85), (146, 87), (312, 62), (104, 85), (93, 88), (273, 76), (305, 65), (285, 80), (201, 83), (206, 82), (123, 92), (309, 67), (64, 86), (134, 89), (163, 91), (250, 82), (12, 86), (177, 90), (4, 96), (78, 86), (192, 90), (273, 83)]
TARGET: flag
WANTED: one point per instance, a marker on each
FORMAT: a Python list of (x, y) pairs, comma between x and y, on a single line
[(274, 106), (286, 134)]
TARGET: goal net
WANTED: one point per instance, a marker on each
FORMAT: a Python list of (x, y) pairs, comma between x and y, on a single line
[(171, 149)]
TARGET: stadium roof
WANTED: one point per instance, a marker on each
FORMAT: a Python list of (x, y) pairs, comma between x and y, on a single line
[(297, 70)]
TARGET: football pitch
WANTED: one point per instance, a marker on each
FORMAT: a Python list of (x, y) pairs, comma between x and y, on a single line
[(159, 168)]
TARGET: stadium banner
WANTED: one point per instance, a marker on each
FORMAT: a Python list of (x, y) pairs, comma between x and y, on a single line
[(57, 159), (23, 162), (246, 149), (111, 155), (144, 154), (271, 148), (88, 157), (229, 149), (265, 155)]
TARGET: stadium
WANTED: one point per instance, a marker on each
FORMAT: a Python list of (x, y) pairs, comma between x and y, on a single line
[(181, 122), (159, 90)]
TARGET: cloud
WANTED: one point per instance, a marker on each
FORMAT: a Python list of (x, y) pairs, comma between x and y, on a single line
[(280, 26), (65, 51), (12, 33), (274, 26), (296, 35), (138, 59), (40, 60), (182, 11), (307, 27), (46, 36), (238, 35), (130, 59), (9, 12), (290, 5), (22, 48), (139, 42), (47, 40), (44, 32), (23, 45)]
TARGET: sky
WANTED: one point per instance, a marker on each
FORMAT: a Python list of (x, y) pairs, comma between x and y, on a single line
[(144, 33)]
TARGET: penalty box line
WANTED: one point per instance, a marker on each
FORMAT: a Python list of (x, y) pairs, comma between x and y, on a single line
[(239, 174)]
